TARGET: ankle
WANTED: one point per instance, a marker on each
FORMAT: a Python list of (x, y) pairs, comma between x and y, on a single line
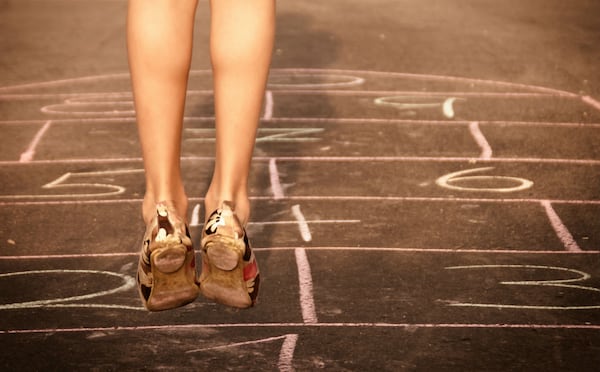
[(180, 204), (240, 205)]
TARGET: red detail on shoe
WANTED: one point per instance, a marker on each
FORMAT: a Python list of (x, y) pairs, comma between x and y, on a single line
[(250, 270)]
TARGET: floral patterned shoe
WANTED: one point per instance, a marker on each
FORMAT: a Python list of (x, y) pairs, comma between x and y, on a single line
[(230, 273), (166, 274)]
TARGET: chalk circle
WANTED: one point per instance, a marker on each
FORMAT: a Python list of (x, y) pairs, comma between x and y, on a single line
[(449, 181), (308, 80), (128, 283)]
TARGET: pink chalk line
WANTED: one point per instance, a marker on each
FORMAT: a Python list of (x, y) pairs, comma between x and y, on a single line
[(285, 249), (182, 327), (319, 120), (451, 159), (592, 102), (326, 198)]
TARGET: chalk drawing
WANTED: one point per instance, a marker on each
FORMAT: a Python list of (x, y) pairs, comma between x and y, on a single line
[(560, 283), (116, 107), (268, 111), (302, 224), (486, 149), (286, 354), (410, 104), (448, 181), (29, 153), (592, 102), (307, 302), (61, 183), (195, 222), (306, 79), (448, 107), (195, 216), (91, 108), (559, 227), (276, 187), (128, 283), (262, 135), (366, 325)]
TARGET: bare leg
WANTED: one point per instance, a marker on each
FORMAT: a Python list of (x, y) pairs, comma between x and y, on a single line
[(241, 43), (159, 39)]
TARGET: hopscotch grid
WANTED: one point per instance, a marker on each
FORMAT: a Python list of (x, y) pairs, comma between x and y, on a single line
[(542, 93)]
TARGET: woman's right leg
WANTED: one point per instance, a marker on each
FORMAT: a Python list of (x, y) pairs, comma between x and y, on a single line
[(159, 41)]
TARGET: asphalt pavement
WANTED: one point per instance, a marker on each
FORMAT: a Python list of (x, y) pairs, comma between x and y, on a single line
[(425, 192)]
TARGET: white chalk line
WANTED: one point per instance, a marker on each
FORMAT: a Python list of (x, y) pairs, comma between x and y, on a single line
[(29, 153), (208, 135), (268, 110), (406, 102), (237, 344), (307, 302), (286, 354), (276, 187), (350, 249), (559, 227), (544, 283), (449, 181), (302, 224), (343, 80), (128, 283), (592, 102), (373, 325), (482, 142), (195, 216)]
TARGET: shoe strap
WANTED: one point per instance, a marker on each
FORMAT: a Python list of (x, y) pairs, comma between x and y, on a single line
[(223, 221)]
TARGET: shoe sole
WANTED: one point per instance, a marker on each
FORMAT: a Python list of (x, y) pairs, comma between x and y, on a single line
[(172, 283), (224, 282)]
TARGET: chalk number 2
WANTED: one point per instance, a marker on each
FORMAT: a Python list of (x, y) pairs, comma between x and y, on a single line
[(561, 283)]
